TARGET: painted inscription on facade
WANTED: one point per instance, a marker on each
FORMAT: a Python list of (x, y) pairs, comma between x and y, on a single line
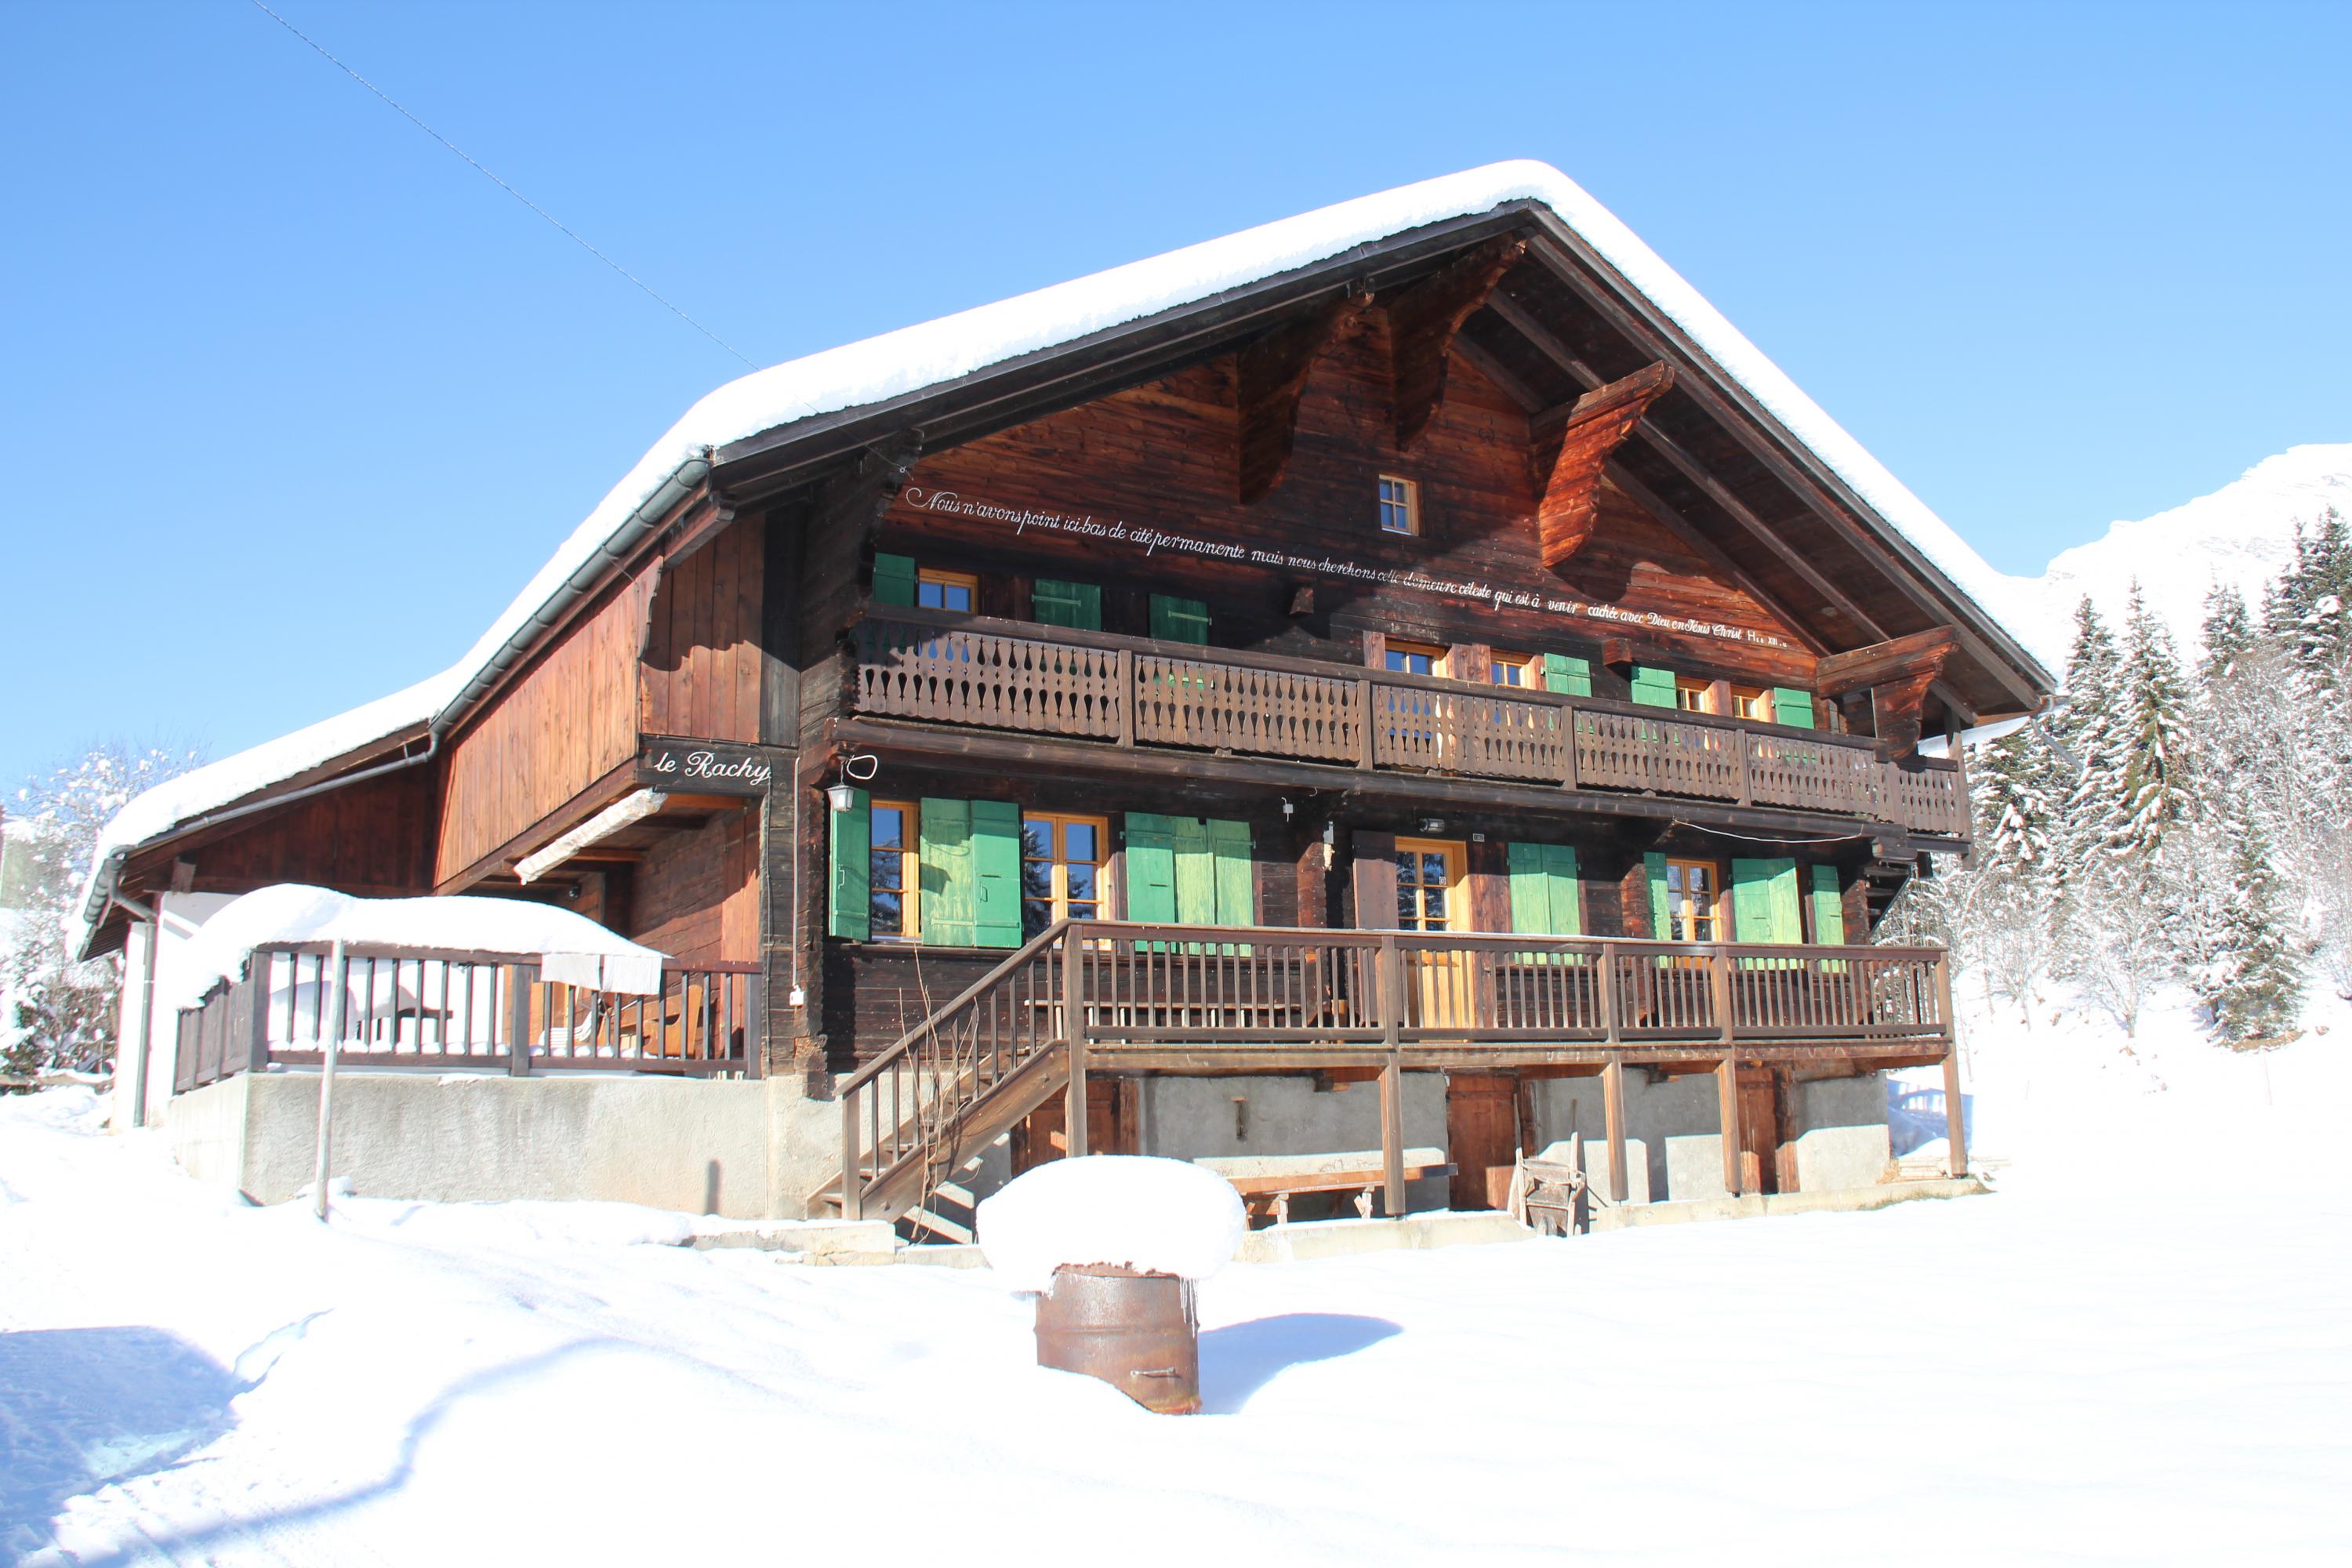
[(1145, 540)]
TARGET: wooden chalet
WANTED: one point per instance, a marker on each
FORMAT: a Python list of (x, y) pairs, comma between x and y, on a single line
[(1411, 679)]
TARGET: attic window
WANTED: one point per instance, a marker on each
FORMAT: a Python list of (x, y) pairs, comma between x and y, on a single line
[(1400, 505)]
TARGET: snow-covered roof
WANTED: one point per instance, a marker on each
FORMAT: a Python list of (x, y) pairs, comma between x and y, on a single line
[(937, 352), (571, 947)]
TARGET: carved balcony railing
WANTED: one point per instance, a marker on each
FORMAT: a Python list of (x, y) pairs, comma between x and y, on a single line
[(449, 1011), (1134, 692)]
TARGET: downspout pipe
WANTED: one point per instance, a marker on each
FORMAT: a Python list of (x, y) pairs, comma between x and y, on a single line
[(623, 541)]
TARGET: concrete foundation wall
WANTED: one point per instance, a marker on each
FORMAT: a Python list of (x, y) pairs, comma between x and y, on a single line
[(207, 1128), (699, 1146), (1195, 1118), (1840, 1126)]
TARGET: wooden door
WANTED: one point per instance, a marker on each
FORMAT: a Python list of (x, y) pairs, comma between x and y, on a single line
[(1482, 1137), (1112, 1112), (1433, 895), (1760, 1131)]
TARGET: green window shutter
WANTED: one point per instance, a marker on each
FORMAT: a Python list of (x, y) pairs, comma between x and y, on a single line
[(849, 907), (948, 891), (1829, 908), (1179, 620), (1790, 706), (1196, 874), (996, 873), (1661, 919), (1568, 677), (894, 579), (1764, 901), (1236, 890), (1653, 686), (1530, 888), (1078, 605), (1566, 896), (1150, 868)]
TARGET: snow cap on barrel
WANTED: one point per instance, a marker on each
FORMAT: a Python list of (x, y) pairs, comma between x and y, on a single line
[(1122, 1211)]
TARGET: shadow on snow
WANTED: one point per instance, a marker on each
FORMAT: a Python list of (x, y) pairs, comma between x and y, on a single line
[(1239, 1359)]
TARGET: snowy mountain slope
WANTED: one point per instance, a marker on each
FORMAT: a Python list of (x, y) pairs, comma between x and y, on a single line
[(2242, 533)]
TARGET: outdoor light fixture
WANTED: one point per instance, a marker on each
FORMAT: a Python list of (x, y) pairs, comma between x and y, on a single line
[(1286, 809), (1433, 825), (843, 796)]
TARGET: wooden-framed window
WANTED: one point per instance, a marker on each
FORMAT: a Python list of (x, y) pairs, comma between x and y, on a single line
[(1062, 875), (938, 590), (1693, 902), (1752, 702), (1515, 669), (1400, 505), (893, 878), (1430, 894), (1415, 658), (1693, 695)]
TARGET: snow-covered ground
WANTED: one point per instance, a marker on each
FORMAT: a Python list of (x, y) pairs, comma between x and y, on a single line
[(2139, 1351)]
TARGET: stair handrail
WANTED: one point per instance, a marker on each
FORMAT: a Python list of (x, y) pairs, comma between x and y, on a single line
[(970, 993)]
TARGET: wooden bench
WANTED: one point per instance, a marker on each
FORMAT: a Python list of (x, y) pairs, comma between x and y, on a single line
[(1269, 1182)]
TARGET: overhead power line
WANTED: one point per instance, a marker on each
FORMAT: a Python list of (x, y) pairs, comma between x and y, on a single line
[(501, 185)]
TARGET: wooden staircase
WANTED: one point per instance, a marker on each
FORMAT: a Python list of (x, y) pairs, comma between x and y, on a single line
[(919, 1120)]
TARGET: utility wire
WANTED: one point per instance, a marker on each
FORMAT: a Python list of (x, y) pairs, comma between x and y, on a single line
[(501, 185)]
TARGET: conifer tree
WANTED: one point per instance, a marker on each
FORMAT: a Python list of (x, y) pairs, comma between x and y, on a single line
[(2257, 988), (2229, 633), (2087, 731), (2151, 768)]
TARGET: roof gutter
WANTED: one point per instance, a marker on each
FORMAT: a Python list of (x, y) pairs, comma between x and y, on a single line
[(624, 540)]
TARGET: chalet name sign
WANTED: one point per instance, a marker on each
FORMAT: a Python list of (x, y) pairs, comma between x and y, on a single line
[(1149, 540), (702, 767)]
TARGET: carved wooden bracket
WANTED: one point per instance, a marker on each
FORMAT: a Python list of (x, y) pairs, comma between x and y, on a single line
[(1897, 673), (1422, 322), (1270, 377), (1570, 447)]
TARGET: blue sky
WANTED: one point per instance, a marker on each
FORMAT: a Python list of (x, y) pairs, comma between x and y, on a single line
[(297, 401)]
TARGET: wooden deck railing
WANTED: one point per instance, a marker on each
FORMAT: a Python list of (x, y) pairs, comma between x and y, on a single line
[(454, 1011), (1131, 692), (1255, 998)]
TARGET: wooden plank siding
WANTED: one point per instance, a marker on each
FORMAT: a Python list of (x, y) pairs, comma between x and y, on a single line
[(701, 675), (1163, 455), (568, 720), (695, 895), (374, 838)]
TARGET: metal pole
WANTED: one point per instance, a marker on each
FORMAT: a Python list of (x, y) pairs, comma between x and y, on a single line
[(341, 967), (146, 1017)]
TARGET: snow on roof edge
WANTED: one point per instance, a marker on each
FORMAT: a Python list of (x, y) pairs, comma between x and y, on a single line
[(928, 354)]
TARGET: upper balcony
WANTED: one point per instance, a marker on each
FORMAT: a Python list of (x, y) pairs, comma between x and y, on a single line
[(943, 668)]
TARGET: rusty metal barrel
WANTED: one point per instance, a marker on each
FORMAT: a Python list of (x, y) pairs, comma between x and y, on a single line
[(1135, 1331)]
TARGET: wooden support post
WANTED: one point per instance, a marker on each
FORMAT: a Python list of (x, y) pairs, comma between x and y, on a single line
[(1607, 982), (1719, 981), (1392, 1136), (1726, 1099), (1746, 767), (522, 980), (1956, 1120), (1126, 697), (1366, 693), (1392, 1078), (1073, 1029), (852, 1179), (1613, 1104)]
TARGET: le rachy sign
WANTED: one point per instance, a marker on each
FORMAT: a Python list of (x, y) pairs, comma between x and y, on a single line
[(1149, 540), (701, 767)]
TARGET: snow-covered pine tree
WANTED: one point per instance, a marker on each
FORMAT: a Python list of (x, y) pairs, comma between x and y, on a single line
[(2087, 734), (2153, 764), (2256, 989), (2228, 632), (62, 1012)]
